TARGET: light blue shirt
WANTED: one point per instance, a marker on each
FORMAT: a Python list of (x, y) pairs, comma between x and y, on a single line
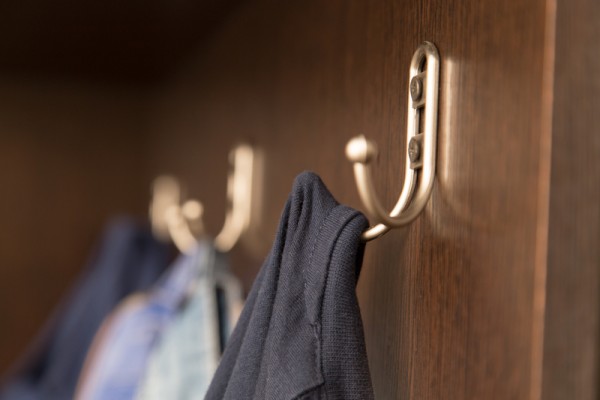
[(183, 363), (120, 359)]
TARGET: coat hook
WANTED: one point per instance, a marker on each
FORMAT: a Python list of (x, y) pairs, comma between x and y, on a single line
[(239, 197), (183, 223), (420, 149), (166, 192)]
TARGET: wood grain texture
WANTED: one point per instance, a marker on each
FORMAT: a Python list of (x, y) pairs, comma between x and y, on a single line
[(70, 158), (571, 342), (448, 304), (451, 305)]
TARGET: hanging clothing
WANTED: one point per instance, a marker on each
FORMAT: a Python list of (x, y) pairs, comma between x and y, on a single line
[(184, 361), (230, 302), (127, 260), (118, 358), (300, 334)]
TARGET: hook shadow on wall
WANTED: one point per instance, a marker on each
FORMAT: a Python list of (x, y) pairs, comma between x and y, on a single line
[(421, 141), (182, 223)]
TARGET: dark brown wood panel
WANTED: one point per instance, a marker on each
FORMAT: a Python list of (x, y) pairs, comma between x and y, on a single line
[(71, 156), (136, 43), (572, 328), (448, 303)]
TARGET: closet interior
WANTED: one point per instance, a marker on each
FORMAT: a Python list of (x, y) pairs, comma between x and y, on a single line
[(475, 299)]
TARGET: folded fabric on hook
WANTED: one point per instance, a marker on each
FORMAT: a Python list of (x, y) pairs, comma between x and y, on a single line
[(300, 334)]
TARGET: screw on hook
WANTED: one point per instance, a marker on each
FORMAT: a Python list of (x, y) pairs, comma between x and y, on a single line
[(416, 88), (414, 150)]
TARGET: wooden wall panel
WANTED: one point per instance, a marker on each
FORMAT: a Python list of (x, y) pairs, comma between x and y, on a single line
[(448, 303), (134, 43), (572, 337), (71, 156), (453, 305)]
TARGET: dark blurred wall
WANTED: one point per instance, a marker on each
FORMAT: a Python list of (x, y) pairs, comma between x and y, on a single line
[(71, 155), (78, 83)]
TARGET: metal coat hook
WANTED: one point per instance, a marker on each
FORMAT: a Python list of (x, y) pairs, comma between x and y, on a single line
[(420, 151), (170, 220), (183, 223), (239, 197)]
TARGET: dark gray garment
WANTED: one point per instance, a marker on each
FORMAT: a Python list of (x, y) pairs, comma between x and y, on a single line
[(300, 335), (128, 259)]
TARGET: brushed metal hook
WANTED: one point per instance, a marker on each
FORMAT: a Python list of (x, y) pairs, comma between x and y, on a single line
[(239, 197), (180, 223), (170, 220), (183, 223), (420, 149)]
